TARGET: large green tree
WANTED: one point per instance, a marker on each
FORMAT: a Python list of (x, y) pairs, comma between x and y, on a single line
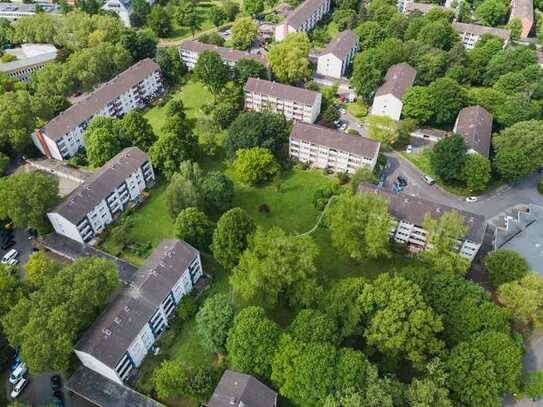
[(289, 58), (476, 172), (170, 64), (213, 321), (524, 298), (159, 21), (504, 266), (212, 72), (448, 158), (138, 130), (38, 269), (448, 97), (104, 138), (244, 31), (193, 226), (254, 165), (311, 325)]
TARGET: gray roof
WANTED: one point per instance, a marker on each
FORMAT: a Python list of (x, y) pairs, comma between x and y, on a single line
[(413, 210), (98, 99), (280, 91), (303, 12), (422, 7), (238, 389), (474, 124), (481, 29), (103, 392), (342, 44), (523, 9), (113, 331), (226, 54), (26, 7), (324, 136), (101, 184), (28, 62), (398, 79)]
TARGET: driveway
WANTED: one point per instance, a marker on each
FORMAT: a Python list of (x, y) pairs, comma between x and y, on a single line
[(23, 245)]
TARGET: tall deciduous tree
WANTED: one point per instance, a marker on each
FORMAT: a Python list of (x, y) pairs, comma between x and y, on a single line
[(253, 7), (246, 68), (311, 325), (476, 172), (170, 64), (213, 322), (360, 225), (159, 21), (289, 58), (193, 226), (181, 193), (524, 298), (212, 72), (383, 129), (254, 165), (244, 31), (504, 266), (448, 97), (448, 157), (190, 15), (38, 269), (217, 192), (138, 129), (104, 138), (277, 267)]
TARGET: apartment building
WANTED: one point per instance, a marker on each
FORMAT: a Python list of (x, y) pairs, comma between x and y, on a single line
[(409, 213), (474, 124), (30, 58), (120, 338), (303, 19), (524, 11), (98, 200), (62, 137), (240, 390), (388, 98), (190, 50), (472, 33), (14, 11), (292, 102), (327, 148), (338, 55), (407, 7)]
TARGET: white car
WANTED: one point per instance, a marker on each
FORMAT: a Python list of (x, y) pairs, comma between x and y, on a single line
[(409, 149), (471, 199), (429, 180), (342, 110), (19, 372), (13, 262), (19, 387)]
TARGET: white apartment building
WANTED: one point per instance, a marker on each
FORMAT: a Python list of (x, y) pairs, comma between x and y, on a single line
[(303, 19), (409, 213), (120, 338), (472, 33), (62, 137), (190, 50), (14, 11), (97, 201), (327, 148), (338, 55), (388, 98), (123, 8), (30, 58), (292, 102)]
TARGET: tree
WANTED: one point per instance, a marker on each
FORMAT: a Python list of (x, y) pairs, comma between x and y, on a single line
[(441, 240), (519, 149), (212, 72), (448, 157), (322, 196), (417, 104), (253, 7), (140, 11), (170, 150), (252, 342), (476, 172), (11, 291), (254, 165), (216, 15), (217, 192), (524, 299), (311, 325), (170, 64), (492, 12), (4, 163), (256, 129), (25, 198), (211, 38), (136, 126), (430, 390), (231, 9), (402, 325), (504, 266), (193, 226), (16, 120), (246, 68), (289, 58), (45, 326), (231, 237), (383, 129), (38, 269), (244, 31), (189, 15), (510, 59), (213, 321), (159, 21), (181, 193), (448, 97), (276, 267), (141, 43), (104, 138), (360, 225), (170, 379)]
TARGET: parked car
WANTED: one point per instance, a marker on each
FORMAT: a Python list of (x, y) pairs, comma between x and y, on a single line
[(402, 180), (9, 255), (409, 148), (429, 180), (19, 372), (342, 110), (56, 382), (13, 262), (19, 387), (16, 362), (471, 199), (396, 187)]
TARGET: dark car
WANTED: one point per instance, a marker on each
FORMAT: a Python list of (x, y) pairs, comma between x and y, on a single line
[(56, 382), (8, 244), (402, 180)]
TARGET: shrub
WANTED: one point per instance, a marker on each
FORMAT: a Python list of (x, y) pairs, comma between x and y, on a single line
[(343, 178), (323, 194), (187, 307), (533, 385)]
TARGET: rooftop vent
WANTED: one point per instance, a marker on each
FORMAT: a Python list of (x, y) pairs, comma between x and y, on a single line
[(127, 308)]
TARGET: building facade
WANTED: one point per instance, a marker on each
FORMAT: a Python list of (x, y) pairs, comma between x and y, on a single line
[(474, 124), (338, 55), (326, 148), (190, 50), (62, 137), (100, 199), (292, 102), (120, 338), (409, 212), (303, 19), (14, 11), (388, 98), (30, 58), (472, 33)]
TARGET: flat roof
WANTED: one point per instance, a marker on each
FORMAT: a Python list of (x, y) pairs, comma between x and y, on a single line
[(30, 61), (100, 184), (124, 317), (281, 91), (414, 209), (98, 99)]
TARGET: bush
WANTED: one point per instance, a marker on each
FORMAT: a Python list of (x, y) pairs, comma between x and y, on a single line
[(343, 178), (533, 385), (504, 266), (254, 165), (322, 195), (187, 307)]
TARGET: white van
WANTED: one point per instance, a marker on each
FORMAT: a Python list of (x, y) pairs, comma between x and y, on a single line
[(9, 255), (19, 372)]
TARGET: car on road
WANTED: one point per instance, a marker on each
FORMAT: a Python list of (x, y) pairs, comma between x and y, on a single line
[(429, 180), (9, 255), (471, 199), (409, 148), (56, 382), (19, 372), (402, 181), (19, 387)]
